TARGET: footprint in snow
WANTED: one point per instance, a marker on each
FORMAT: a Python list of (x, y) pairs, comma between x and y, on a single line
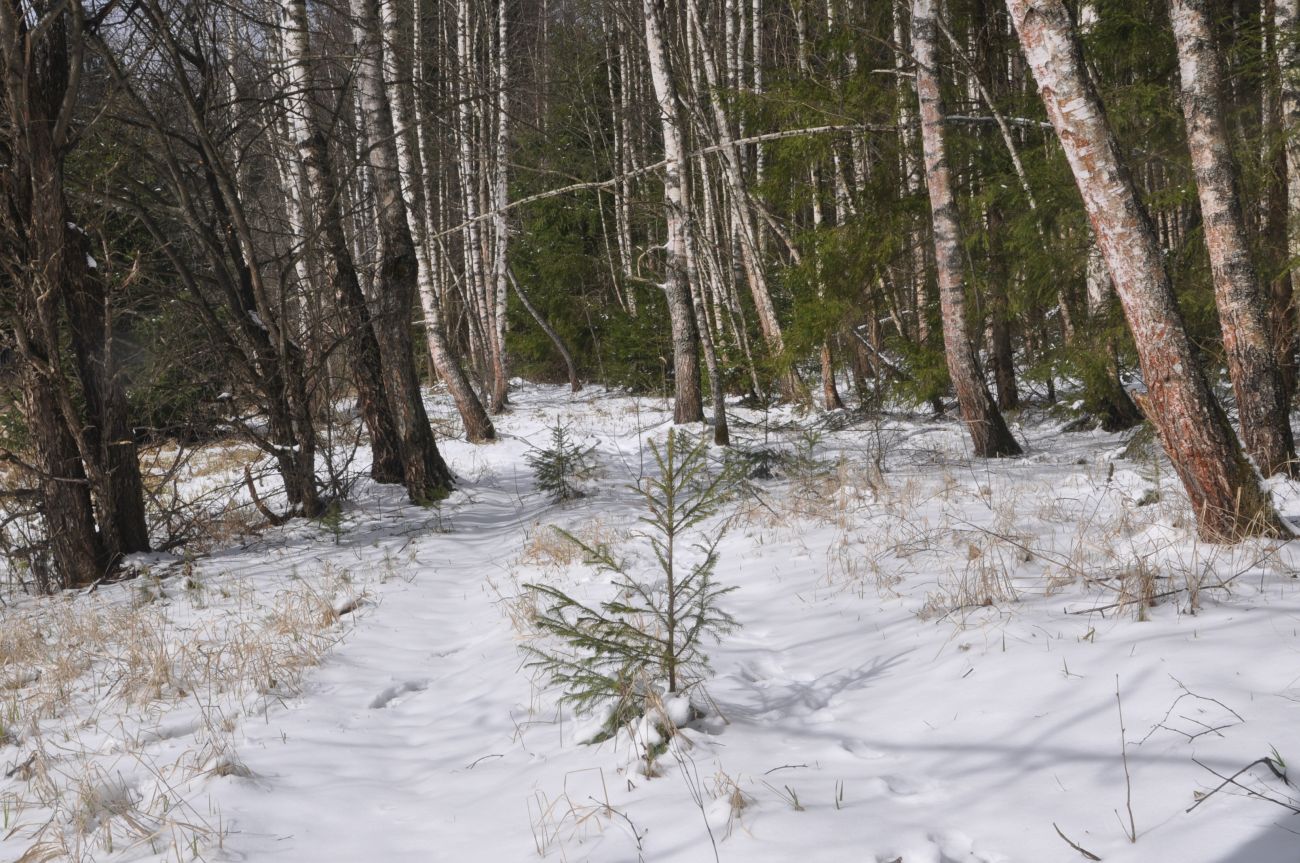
[(396, 691), (860, 749), (762, 672), (943, 848), (902, 787)]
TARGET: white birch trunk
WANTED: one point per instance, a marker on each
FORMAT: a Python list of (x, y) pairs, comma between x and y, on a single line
[(990, 436), (478, 426), (500, 199), (1223, 487), (1261, 404), (685, 335)]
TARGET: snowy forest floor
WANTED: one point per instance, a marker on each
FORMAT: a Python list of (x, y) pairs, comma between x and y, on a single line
[(933, 660)]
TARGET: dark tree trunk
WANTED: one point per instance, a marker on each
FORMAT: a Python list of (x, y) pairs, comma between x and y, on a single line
[(81, 445), (1104, 393), (427, 475), (323, 193), (75, 550), (1001, 355), (118, 491)]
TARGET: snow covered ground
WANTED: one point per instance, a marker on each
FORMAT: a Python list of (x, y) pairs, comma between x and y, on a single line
[(934, 657)]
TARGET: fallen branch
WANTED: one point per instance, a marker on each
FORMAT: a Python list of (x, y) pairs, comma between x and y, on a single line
[(1076, 846), (271, 516), (1268, 762)]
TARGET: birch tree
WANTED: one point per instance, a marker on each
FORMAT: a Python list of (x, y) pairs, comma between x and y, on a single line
[(688, 405), (1256, 380), (1223, 487), (990, 437), (427, 476), (411, 161), (1287, 34), (359, 336)]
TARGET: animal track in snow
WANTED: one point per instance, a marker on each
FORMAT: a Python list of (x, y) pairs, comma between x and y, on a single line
[(860, 749), (942, 848), (396, 691), (903, 788)]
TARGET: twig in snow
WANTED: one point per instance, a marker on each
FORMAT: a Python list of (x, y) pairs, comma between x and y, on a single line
[(1268, 761), (691, 776), (636, 835), (1187, 693), (1131, 831), (20, 768), (1075, 845)]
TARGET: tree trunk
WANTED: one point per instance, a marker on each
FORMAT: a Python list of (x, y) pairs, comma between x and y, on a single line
[(1287, 33), (1105, 394), (990, 436), (427, 476), (1222, 486), (118, 490), (688, 406), (575, 385), (75, 550), (919, 295), (359, 342), (500, 224), (48, 274), (478, 426), (742, 215), (1261, 402)]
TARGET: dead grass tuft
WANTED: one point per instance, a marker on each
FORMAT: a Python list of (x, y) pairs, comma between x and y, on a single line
[(548, 548), (70, 663)]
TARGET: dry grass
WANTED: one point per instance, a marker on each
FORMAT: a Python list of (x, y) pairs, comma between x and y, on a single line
[(518, 604), (548, 548), (992, 535), (985, 580), (725, 787), (77, 672), (581, 810)]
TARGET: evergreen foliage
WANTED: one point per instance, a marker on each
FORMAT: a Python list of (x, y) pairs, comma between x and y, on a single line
[(650, 637), (562, 465)]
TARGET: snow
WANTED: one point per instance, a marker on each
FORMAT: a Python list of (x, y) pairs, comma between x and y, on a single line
[(928, 670)]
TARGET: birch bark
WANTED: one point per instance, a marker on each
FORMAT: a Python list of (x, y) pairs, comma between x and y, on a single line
[(360, 342), (427, 476), (1287, 34), (478, 426), (1223, 488), (1261, 402), (990, 436), (688, 406)]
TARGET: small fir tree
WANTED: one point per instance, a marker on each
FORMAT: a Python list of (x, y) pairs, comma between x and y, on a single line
[(648, 639), (563, 464)]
